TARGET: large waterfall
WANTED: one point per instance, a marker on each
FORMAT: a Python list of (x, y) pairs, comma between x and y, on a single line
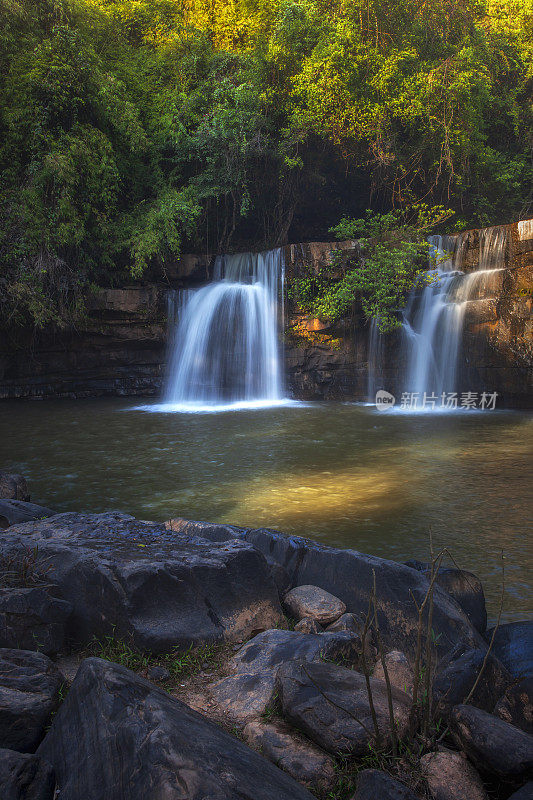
[(434, 316), (225, 347)]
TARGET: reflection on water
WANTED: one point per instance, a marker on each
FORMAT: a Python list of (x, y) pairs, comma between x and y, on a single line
[(341, 474)]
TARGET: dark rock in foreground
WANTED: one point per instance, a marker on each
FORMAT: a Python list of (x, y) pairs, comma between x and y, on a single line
[(459, 672), (139, 580), (516, 705), (524, 793), (30, 619), (118, 736), (330, 705), (14, 487), (29, 694), (25, 777), (492, 744), (513, 645), (373, 784), (15, 512), (465, 588)]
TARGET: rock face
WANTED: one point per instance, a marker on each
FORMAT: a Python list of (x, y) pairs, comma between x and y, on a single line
[(399, 670), (117, 735), (29, 694), (458, 674), (30, 619), (14, 512), (492, 744), (312, 602), (302, 760), (13, 487), (513, 645), (251, 687), (451, 777), (464, 587), (25, 777), (373, 784), (330, 705), (153, 586)]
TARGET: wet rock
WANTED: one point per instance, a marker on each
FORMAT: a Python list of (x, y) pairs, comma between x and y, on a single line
[(374, 784), (305, 762), (280, 576), (314, 603), (516, 705), (251, 687), (492, 744), (513, 645), (524, 793), (465, 588), (13, 487), (158, 673), (153, 586), (25, 777), (31, 619), (15, 512), (400, 671), (330, 705), (117, 735), (450, 777), (346, 622), (458, 673), (307, 625), (29, 694)]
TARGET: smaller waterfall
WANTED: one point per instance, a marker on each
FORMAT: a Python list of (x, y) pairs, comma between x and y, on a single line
[(433, 320), (225, 346), (376, 359)]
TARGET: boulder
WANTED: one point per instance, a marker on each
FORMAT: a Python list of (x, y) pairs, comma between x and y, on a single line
[(312, 602), (156, 588), (492, 744), (251, 687), (524, 793), (29, 694), (304, 762), (513, 645), (13, 487), (346, 622), (516, 705), (330, 705), (459, 671), (374, 784), (451, 777), (31, 619), (307, 625), (117, 735), (400, 671), (465, 588), (15, 512), (25, 777), (160, 674)]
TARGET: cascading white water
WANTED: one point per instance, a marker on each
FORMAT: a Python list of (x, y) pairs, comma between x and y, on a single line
[(225, 347), (433, 319)]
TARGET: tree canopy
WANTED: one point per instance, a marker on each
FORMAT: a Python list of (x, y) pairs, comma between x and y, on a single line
[(132, 129)]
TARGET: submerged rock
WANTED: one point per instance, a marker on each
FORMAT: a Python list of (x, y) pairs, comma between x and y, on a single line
[(312, 602), (30, 619), (492, 744), (374, 784), (450, 777), (29, 694), (330, 705), (305, 762), (25, 777), (118, 735), (161, 589)]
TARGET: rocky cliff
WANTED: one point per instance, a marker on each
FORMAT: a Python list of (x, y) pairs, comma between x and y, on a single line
[(121, 349)]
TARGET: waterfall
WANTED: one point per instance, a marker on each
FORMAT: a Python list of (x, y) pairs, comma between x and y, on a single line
[(225, 345), (433, 319), (376, 358)]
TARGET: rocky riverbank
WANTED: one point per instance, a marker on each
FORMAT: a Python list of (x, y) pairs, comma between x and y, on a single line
[(197, 660)]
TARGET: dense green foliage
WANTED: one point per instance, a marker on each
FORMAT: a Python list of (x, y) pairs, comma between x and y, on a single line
[(131, 129)]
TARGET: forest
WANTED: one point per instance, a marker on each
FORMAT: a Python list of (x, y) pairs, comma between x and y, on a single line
[(133, 130)]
